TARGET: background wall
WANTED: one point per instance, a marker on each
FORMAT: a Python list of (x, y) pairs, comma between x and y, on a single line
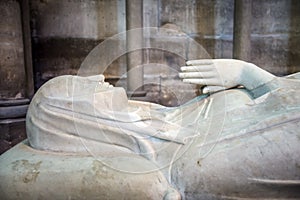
[(64, 31)]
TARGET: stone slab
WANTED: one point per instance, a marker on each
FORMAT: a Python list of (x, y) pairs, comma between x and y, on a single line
[(26, 173)]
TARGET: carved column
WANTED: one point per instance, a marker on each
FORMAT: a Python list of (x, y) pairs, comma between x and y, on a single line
[(242, 30), (16, 81), (134, 20)]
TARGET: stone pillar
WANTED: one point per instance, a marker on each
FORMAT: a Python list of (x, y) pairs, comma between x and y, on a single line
[(242, 30), (13, 79), (16, 82), (134, 39)]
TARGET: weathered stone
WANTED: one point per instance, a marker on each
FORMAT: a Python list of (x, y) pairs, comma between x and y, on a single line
[(12, 131), (109, 147), (63, 176), (12, 69)]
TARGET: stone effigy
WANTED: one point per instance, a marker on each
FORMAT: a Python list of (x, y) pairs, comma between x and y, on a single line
[(231, 142)]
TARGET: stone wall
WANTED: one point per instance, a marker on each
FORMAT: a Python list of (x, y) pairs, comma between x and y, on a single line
[(16, 84), (275, 35), (12, 70), (64, 31)]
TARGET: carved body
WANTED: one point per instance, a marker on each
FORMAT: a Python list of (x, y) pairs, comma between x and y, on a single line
[(238, 143)]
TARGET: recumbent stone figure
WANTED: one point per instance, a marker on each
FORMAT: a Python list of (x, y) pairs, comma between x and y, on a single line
[(231, 142)]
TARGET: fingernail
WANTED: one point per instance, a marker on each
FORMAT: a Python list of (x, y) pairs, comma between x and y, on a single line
[(182, 68)]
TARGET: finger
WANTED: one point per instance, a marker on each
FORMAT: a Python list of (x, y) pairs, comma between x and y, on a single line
[(203, 68), (200, 62), (212, 89), (197, 75), (199, 81), (96, 78)]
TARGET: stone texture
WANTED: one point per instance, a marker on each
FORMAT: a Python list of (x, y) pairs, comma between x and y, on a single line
[(67, 18), (275, 35), (255, 141), (59, 56), (209, 22), (64, 32), (15, 76), (12, 131), (61, 43), (26, 174), (12, 70), (151, 13)]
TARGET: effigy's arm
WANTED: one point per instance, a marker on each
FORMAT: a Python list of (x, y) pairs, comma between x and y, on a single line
[(218, 74)]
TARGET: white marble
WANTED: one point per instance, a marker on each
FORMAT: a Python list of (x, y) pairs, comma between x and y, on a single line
[(228, 143)]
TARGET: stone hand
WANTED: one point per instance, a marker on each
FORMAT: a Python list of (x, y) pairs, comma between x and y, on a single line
[(216, 74), (219, 74)]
